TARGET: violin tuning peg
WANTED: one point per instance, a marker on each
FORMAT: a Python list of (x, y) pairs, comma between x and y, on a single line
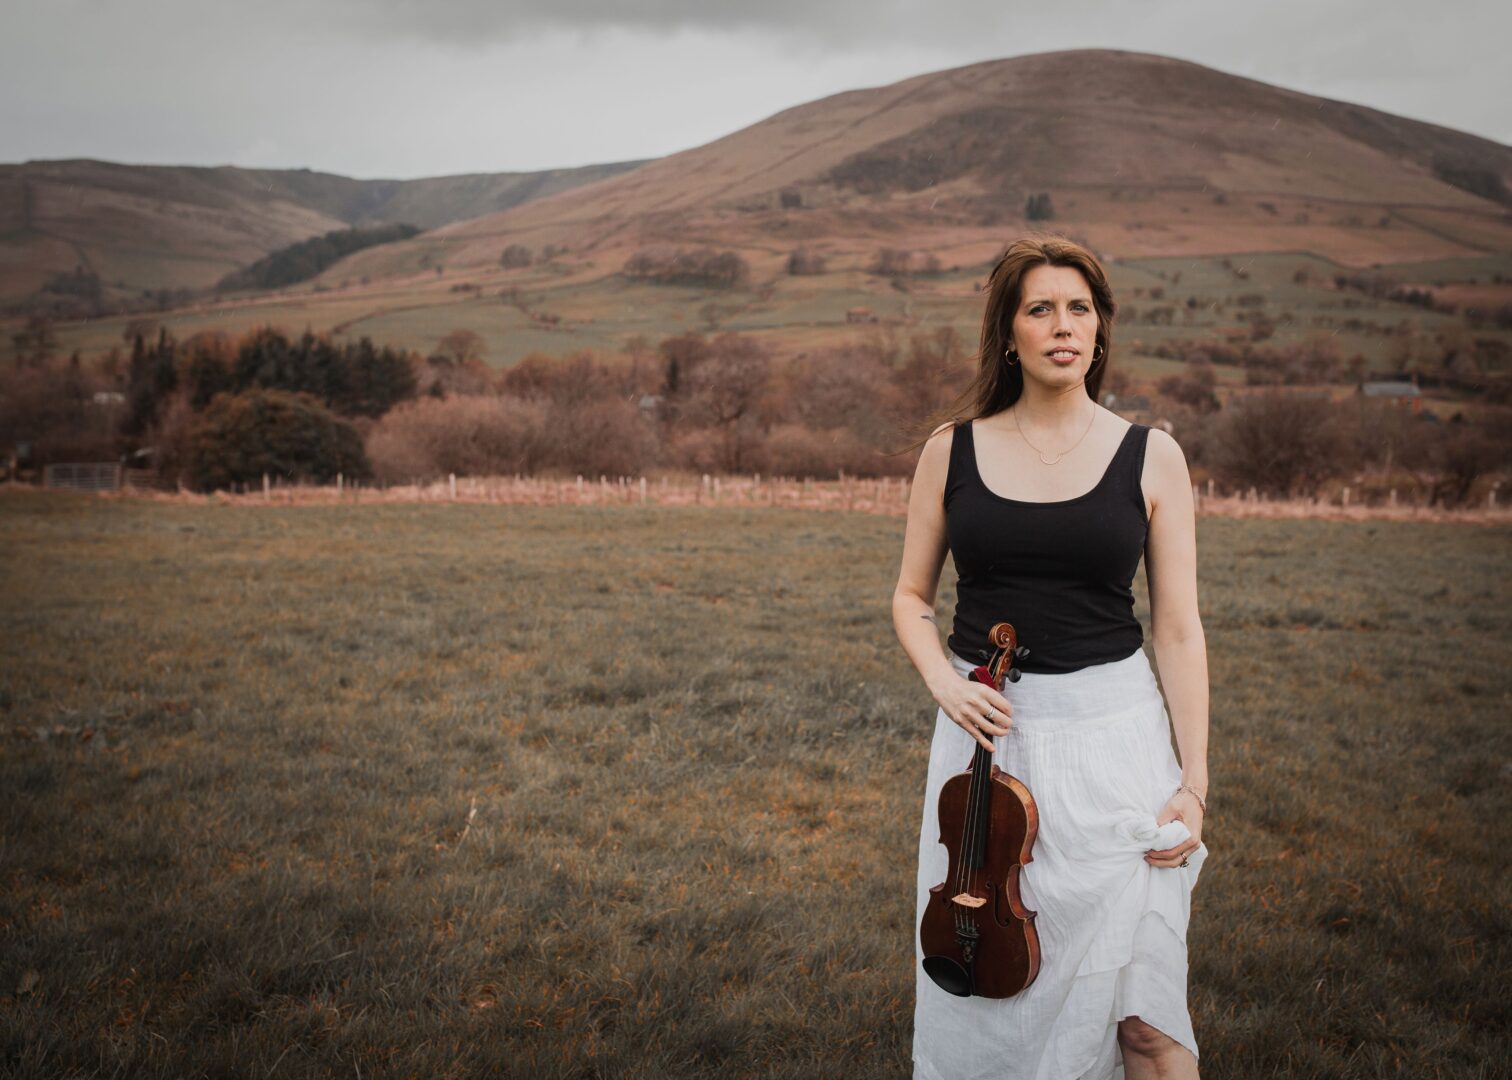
[(1014, 674), (1020, 652)]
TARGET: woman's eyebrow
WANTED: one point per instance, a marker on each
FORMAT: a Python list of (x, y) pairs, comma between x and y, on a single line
[(1046, 300)]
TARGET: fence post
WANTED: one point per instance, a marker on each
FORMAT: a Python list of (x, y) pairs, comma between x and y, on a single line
[(1391, 500), (267, 488), (1491, 495)]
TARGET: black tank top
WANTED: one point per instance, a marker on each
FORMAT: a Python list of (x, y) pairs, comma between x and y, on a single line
[(1060, 572)]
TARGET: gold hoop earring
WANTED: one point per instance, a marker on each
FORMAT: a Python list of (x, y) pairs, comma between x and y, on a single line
[(1011, 357)]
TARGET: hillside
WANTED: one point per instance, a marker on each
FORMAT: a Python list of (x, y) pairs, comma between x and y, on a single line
[(1218, 200), (155, 227), (1142, 155)]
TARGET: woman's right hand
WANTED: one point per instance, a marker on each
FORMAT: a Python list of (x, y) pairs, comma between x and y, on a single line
[(975, 707)]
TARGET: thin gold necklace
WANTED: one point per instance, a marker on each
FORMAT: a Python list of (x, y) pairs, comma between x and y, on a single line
[(1064, 452)]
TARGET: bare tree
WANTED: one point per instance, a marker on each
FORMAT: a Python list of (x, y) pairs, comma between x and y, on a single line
[(726, 389), (460, 347), (1278, 443)]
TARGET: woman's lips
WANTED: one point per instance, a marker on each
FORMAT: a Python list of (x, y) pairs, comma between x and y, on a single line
[(1067, 358)]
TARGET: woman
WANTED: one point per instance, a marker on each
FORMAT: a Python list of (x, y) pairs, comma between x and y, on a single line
[(1047, 501)]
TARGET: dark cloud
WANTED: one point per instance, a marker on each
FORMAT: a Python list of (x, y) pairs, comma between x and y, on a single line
[(409, 88), (469, 22)]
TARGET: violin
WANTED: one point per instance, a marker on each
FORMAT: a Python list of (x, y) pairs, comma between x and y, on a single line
[(977, 936)]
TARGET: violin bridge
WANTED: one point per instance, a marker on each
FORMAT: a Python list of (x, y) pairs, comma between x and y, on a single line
[(967, 900)]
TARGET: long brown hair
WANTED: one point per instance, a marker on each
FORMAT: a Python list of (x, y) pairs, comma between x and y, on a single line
[(998, 383)]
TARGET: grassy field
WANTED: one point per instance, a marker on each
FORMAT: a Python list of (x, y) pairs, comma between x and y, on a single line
[(601, 310), (455, 790)]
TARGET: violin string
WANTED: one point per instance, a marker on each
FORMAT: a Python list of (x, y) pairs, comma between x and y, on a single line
[(984, 798), (969, 840), (963, 868), (960, 878), (982, 787), (968, 834), (978, 792)]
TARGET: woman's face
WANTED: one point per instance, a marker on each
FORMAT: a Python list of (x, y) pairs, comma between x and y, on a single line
[(1055, 326)]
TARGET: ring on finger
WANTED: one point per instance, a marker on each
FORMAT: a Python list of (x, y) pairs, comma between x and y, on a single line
[(991, 711)]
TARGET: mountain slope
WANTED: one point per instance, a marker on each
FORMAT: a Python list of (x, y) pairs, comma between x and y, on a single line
[(150, 227), (1141, 155)]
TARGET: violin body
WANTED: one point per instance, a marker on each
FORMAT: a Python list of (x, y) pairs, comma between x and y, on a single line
[(978, 938)]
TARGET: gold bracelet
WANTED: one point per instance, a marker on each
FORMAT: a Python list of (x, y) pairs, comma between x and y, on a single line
[(1193, 792)]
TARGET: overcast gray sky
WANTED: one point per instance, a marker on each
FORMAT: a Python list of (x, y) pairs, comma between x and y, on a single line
[(409, 88)]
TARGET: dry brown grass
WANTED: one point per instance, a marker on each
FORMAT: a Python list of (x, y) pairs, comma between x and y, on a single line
[(433, 790), (886, 495)]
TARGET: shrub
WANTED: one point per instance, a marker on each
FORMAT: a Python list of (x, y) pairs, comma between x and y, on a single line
[(895, 262), (1192, 387), (609, 438), (291, 436), (559, 380), (795, 450), (1278, 443), (515, 256), (843, 386), (480, 435), (703, 266), (51, 406), (1461, 455), (891, 262), (803, 262)]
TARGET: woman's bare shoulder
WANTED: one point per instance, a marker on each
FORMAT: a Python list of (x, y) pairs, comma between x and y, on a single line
[(1165, 469), (940, 438), (934, 458), (1165, 450)]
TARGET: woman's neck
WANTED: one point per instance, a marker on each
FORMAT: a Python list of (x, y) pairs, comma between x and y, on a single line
[(1054, 408)]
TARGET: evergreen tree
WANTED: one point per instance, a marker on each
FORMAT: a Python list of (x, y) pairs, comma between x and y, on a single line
[(289, 436)]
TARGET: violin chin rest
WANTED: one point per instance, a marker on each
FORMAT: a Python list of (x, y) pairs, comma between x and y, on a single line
[(948, 975)]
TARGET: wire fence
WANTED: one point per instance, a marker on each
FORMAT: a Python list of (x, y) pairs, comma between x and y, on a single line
[(884, 495)]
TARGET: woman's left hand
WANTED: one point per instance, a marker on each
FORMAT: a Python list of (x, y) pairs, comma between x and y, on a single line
[(1183, 805)]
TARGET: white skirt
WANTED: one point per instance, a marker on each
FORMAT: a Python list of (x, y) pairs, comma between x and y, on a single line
[(1094, 748)]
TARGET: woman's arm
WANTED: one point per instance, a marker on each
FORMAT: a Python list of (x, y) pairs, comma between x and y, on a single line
[(1180, 648), (924, 547)]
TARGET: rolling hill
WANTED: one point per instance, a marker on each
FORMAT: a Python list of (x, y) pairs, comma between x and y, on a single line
[(157, 227), (1239, 192), (1141, 155)]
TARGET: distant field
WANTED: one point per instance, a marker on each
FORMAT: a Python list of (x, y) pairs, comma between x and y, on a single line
[(438, 790), (607, 310)]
